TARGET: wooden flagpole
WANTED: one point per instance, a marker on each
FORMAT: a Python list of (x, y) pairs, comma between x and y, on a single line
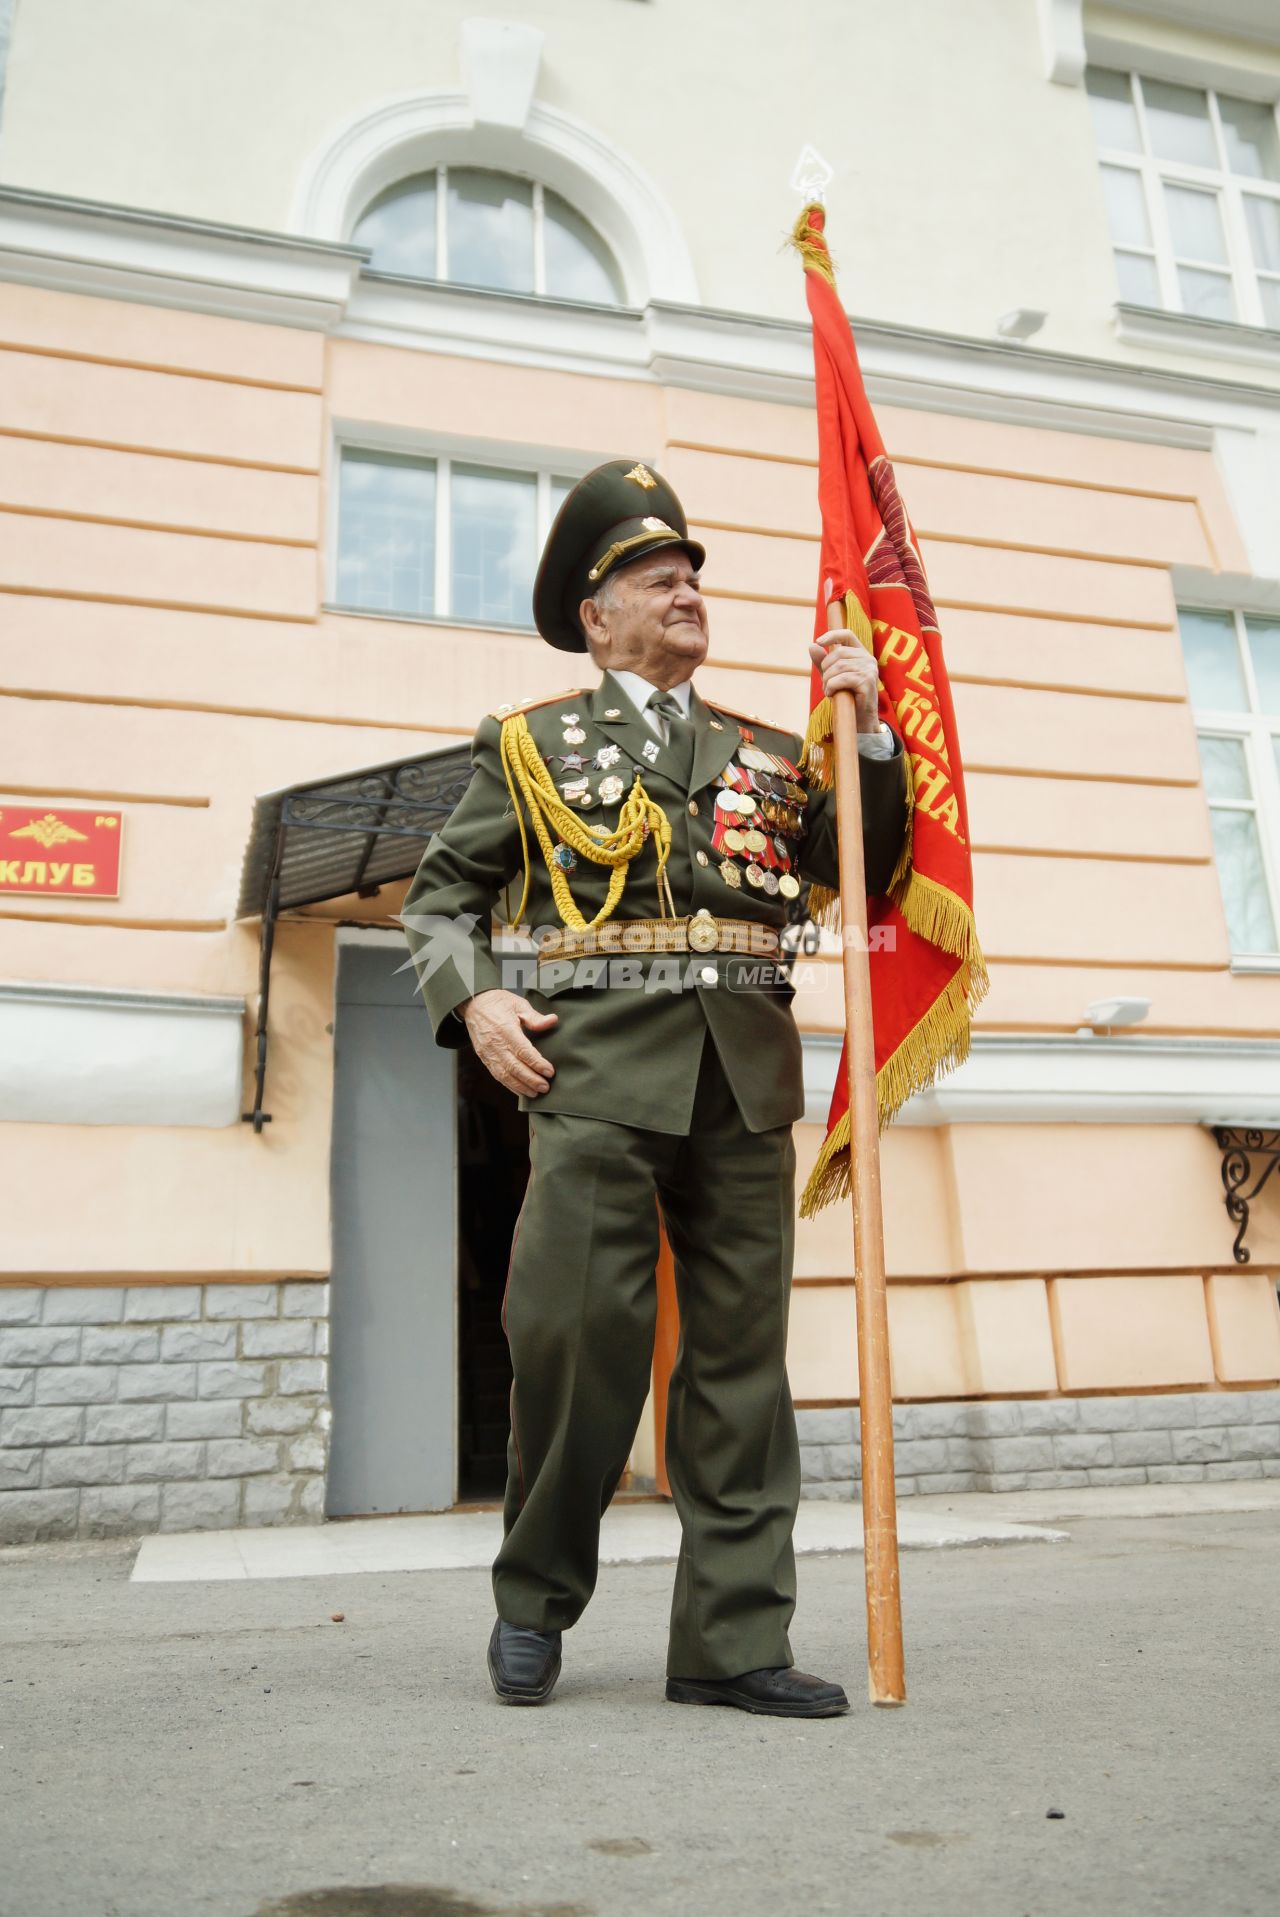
[(885, 1675)]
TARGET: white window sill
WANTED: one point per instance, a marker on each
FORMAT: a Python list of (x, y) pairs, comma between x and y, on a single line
[(1152, 326), (1256, 962), (446, 621)]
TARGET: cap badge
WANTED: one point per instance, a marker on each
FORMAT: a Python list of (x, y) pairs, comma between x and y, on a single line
[(642, 477), (655, 525)]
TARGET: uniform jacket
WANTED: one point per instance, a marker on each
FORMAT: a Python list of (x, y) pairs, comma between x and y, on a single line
[(631, 1054)]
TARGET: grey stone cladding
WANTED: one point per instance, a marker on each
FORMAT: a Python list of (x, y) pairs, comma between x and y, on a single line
[(137, 1408), (1050, 1444)]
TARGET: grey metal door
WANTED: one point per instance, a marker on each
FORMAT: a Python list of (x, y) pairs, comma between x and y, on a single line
[(393, 1368)]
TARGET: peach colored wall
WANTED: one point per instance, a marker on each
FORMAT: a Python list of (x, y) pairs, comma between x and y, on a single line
[(164, 491)]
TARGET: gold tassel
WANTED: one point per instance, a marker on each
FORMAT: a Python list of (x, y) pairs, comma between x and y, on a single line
[(811, 247), (936, 1045)]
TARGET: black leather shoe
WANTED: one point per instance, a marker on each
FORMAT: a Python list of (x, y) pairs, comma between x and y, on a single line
[(776, 1692), (523, 1665)]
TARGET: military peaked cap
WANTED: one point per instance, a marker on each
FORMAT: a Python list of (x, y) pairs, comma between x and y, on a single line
[(619, 512)]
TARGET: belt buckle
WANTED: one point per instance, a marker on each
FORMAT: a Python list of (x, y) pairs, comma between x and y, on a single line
[(703, 934)]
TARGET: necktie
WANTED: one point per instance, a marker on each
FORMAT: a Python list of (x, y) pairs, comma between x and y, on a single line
[(678, 728)]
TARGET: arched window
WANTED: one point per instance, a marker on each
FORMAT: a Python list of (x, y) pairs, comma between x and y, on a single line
[(478, 228)]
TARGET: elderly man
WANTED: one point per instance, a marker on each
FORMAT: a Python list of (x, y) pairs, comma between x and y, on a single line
[(659, 838)]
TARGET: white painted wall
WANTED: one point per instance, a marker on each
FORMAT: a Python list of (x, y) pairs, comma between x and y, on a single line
[(965, 181)]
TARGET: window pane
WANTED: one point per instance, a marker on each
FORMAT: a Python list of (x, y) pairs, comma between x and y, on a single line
[(1195, 224), (1178, 123), (1212, 658), (494, 545), (1244, 892), (1264, 231), (1270, 290), (1139, 281), (490, 230), (1207, 295), (387, 533), (400, 228), (1126, 206), (1223, 767), (1115, 120), (1264, 650), (1249, 130), (578, 263)]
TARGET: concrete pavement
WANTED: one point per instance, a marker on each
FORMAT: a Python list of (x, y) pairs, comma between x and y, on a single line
[(225, 1748)]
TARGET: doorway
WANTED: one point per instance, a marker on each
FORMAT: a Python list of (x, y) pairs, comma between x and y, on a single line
[(493, 1170), (392, 1375)]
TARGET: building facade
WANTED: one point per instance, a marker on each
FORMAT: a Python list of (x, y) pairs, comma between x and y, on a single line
[(307, 319)]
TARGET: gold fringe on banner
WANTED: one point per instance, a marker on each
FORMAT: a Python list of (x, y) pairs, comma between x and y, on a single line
[(937, 1044)]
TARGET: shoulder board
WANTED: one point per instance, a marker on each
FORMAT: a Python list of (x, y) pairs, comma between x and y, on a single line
[(752, 718), (530, 705)]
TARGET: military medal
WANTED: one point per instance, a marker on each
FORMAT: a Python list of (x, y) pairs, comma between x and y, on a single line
[(574, 735), (608, 755), (571, 761), (566, 858), (753, 841), (612, 789), (789, 887), (755, 875), (772, 883), (577, 792), (733, 840), (731, 875)]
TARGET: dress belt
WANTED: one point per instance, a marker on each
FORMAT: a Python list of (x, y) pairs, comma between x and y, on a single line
[(701, 933)]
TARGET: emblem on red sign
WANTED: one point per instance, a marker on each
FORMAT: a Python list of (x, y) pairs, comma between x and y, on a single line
[(60, 852)]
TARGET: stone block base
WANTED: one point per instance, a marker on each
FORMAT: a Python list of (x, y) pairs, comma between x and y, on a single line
[(137, 1408), (1052, 1444)]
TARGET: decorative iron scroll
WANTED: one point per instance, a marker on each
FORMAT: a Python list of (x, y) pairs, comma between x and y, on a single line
[(392, 809), (1247, 1153)]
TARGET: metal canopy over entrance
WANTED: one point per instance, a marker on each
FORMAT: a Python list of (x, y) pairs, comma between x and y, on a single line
[(350, 834)]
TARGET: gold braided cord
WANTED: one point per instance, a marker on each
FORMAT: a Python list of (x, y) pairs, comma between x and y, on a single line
[(811, 246), (640, 819)]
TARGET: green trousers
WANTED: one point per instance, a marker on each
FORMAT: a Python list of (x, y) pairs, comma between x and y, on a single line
[(580, 1313)]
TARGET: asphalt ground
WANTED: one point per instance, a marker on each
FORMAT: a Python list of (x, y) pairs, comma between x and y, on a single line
[(228, 1748)]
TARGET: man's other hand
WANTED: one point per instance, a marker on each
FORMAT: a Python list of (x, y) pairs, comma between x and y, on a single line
[(497, 1022), (847, 666)]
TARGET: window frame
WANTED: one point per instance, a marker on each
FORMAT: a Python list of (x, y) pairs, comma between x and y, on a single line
[(1258, 733), (1240, 269), (541, 464), (610, 263)]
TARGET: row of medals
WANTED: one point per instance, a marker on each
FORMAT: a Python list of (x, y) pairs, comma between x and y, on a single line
[(762, 788), (759, 789)]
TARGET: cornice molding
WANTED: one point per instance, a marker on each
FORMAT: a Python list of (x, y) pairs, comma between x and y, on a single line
[(1155, 329), (1008, 1080), (121, 252), (125, 253)]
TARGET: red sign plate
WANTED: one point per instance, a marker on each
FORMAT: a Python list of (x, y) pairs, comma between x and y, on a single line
[(75, 853)]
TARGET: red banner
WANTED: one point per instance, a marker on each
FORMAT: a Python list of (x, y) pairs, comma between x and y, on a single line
[(927, 971), (60, 853)]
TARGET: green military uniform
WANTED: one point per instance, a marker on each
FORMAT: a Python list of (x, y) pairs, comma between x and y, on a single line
[(678, 1077)]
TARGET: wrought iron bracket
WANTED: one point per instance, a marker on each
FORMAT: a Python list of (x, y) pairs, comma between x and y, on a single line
[(1248, 1154)]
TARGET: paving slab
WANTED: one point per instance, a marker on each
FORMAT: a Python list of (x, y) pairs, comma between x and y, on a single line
[(1091, 1729), (633, 1532)]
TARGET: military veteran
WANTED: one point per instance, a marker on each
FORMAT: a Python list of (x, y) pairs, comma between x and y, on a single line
[(656, 840)]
